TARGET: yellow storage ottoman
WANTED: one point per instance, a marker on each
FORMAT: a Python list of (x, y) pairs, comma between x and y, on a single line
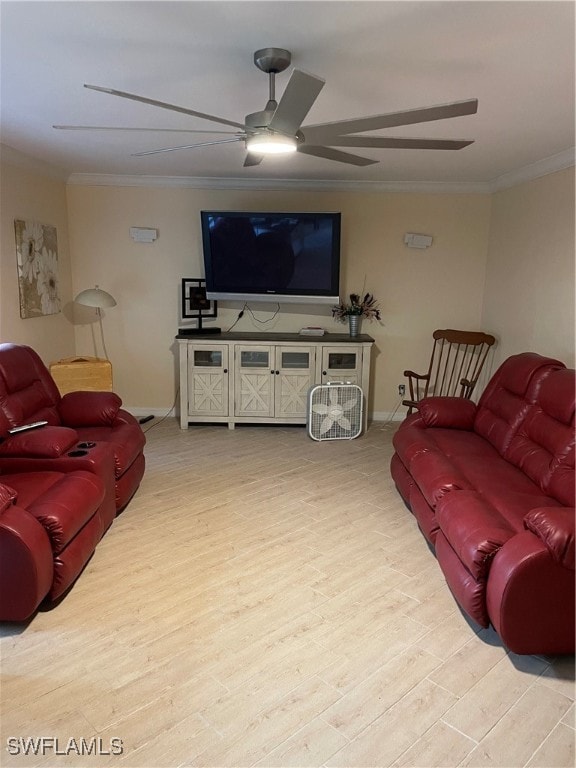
[(82, 373)]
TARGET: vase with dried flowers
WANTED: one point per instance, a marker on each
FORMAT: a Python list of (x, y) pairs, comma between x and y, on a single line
[(355, 309)]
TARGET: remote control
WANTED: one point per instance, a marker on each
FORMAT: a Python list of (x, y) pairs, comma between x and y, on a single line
[(26, 427)]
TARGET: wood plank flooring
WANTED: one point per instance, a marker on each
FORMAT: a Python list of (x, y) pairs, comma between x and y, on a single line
[(268, 600)]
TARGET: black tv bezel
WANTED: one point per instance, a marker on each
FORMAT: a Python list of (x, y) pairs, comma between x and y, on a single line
[(296, 296)]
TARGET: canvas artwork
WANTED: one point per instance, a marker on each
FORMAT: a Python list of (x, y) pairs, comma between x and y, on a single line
[(37, 257)]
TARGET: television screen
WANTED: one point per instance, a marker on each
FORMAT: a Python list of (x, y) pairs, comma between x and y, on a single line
[(272, 256)]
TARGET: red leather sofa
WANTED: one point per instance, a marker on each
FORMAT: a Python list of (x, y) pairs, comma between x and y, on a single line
[(86, 430), (62, 484), (50, 524), (492, 488)]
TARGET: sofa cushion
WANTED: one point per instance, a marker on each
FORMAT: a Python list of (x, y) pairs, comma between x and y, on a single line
[(555, 527), (126, 440), (27, 391), (62, 503), (45, 442), (436, 475), (557, 396), (411, 440), (505, 486), (509, 395), (544, 445), (474, 529)]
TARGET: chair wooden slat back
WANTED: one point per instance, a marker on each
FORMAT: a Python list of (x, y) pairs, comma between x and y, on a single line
[(455, 366)]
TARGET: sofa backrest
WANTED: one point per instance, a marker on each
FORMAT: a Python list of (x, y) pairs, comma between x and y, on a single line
[(509, 396), (544, 445), (27, 391)]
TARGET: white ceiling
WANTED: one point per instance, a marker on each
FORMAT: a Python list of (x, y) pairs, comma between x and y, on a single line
[(517, 58)]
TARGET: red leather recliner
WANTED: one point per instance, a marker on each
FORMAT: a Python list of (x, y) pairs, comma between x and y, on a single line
[(50, 524), (492, 488), (86, 430)]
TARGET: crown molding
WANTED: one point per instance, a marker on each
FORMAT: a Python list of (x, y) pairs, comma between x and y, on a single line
[(205, 182), (548, 165), (558, 162)]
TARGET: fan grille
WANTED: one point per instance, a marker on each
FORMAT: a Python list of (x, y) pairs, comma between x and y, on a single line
[(335, 412)]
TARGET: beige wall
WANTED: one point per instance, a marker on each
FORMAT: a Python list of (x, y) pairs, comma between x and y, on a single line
[(502, 262), (529, 294), (33, 193), (418, 291)]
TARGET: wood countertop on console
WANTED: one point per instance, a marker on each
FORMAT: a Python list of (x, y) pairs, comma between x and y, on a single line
[(271, 338)]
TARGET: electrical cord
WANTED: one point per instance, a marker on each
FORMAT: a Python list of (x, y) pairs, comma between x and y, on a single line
[(165, 415), (240, 316), (262, 322), (389, 421), (247, 308)]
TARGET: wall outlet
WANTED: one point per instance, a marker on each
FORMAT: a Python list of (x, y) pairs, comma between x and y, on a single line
[(401, 389)]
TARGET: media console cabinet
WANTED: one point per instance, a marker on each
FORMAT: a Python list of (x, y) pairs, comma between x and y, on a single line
[(256, 378)]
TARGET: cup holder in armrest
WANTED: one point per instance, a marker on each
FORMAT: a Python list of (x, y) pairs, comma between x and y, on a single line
[(77, 453), (87, 444)]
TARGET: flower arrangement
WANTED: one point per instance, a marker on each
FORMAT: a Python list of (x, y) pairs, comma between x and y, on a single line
[(365, 306)]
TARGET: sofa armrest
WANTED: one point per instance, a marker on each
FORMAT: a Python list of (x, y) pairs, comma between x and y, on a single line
[(89, 409), (530, 598), (554, 526), (448, 412), (47, 442), (26, 564)]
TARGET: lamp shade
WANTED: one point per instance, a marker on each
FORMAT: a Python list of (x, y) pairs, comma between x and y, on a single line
[(95, 297)]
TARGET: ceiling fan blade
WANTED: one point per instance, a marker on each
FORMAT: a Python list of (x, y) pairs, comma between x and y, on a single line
[(334, 154), (164, 105), (187, 146), (297, 99), (381, 142), (150, 130), (323, 131), (252, 159)]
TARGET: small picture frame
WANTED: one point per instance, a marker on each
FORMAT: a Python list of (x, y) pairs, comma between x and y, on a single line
[(195, 305)]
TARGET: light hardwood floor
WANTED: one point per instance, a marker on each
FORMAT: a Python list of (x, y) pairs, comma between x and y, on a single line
[(268, 600)]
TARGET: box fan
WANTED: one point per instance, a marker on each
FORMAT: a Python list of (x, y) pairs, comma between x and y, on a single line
[(335, 411)]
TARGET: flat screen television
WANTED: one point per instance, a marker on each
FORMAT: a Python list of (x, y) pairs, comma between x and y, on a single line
[(279, 257)]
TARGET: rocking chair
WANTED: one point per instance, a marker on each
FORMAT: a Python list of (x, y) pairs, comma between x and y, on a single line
[(456, 362)]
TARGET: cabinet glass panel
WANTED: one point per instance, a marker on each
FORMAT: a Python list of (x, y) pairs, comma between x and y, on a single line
[(342, 361), (295, 360), (208, 358), (253, 359)]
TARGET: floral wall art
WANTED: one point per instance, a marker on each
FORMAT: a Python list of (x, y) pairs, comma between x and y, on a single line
[(37, 256)]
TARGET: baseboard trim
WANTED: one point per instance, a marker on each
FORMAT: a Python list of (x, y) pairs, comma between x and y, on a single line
[(137, 412), (387, 416)]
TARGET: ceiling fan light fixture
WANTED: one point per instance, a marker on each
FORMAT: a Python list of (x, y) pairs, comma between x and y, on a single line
[(271, 144)]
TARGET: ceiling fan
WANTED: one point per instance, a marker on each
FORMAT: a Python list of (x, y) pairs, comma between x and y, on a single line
[(278, 127)]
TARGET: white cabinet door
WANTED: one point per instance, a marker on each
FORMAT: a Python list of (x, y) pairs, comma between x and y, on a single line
[(208, 380), (294, 375), (254, 380), (342, 364)]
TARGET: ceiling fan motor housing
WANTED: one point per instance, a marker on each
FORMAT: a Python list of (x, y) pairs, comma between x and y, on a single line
[(272, 60), (260, 119)]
